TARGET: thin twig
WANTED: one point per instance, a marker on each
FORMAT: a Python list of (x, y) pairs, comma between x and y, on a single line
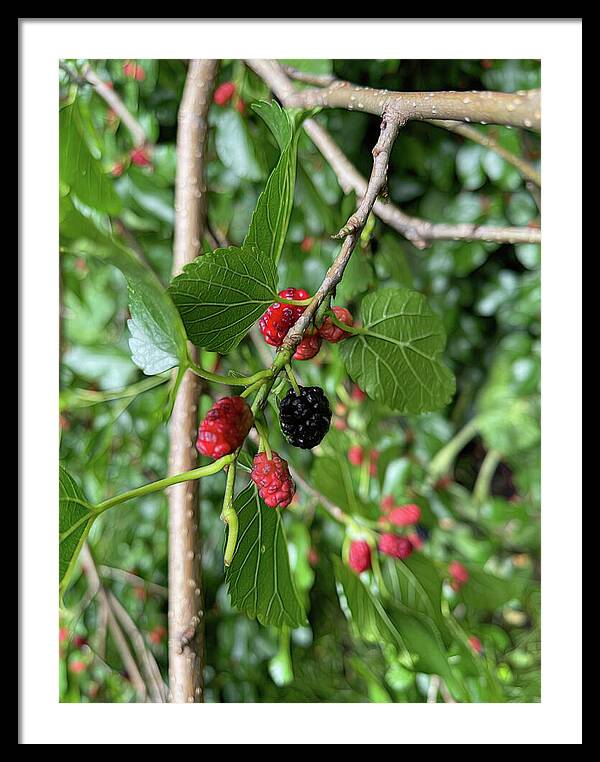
[(152, 676), (114, 101), (390, 126), (525, 168), (309, 78), (117, 635), (434, 687), (132, 579)]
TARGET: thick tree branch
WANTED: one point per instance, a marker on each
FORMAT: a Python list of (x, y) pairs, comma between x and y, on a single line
[(418, 231), (117, 105), (186, 615), (520, 109)]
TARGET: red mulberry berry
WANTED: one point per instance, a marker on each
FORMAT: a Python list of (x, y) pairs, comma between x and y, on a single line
[(308, 347), (140, 157), (157, 634), (225, 427), (117, 169), (475, 644), (331, 332), (355, 455), (307, 244), (77, 667), (359, 557), (134, 71), (357, 394), (459, 575), (279, 318), (224, 93), (373, 462), (272, 477), (387, 503), (405, 515), (415, 541), (393, 545)]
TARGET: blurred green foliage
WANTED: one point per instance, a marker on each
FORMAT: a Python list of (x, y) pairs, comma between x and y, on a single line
[(488, 296)]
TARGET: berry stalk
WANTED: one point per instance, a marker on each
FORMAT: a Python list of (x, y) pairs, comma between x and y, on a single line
[(229, 380), (229, 516), (146, 489)]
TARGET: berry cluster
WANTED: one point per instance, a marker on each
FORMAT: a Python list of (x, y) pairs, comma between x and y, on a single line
[(279, 318), (390, 543)]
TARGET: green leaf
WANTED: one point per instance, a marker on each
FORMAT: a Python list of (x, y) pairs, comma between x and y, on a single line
[(333, 478), (416, 583), (396, 360), (79, 169), (509, 420), (369, 618), (75, 517), (222, 294), (486, 592), (235, 147), (271, 217), (158, 338), (259, 578), (409, 630)]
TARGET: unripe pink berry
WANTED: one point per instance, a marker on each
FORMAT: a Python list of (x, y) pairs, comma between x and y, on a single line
[(224, 93), (387, 503), (458, 572), (359, 556), (395, 546), (307, 244), (355, 455), (405, 515)]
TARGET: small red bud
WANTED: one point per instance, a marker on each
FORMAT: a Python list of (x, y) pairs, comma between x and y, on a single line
[(224, 93), (355, 455)]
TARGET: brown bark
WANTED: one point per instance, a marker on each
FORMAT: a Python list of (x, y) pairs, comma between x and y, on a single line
[(186, 615)]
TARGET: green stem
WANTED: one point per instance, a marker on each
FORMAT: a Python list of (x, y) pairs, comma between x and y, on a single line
[(443, 460), (292, 377), (229, 380), (264, 438), (483, 484), (74, 398), (146, 489), (229, 516), (353, 329), (252, 388), (295, 302)]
